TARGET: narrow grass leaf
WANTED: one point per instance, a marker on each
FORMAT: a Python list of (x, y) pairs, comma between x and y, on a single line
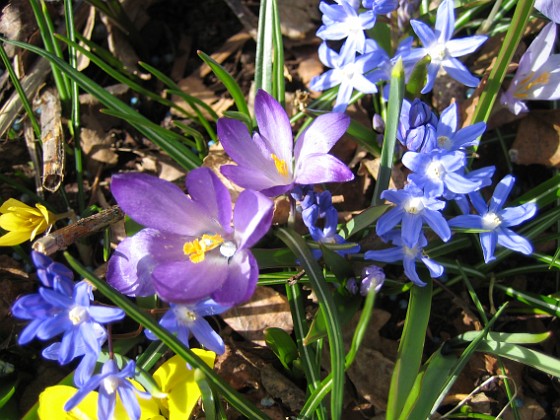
[(296, 243), (544, 303)]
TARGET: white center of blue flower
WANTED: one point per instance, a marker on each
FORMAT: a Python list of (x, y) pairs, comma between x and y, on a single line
[(410, 252), (353, 24), (413, 205), (78, 314), (228, 249), (184, 314), (437, 52), (491, 221), (435, 171), (349, 70), (444, 142), (110, 384)]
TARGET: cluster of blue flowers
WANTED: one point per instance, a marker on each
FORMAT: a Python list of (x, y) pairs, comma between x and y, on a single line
[(361, 63), (436, 155), (64, 307)]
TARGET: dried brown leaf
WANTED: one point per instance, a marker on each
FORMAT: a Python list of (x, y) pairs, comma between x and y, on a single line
[(267, 308), (538, 139)]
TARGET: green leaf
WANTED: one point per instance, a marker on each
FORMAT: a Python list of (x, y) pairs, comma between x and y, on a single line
[(229, 82), (390, 137), (324, 295), (418, 77), (544, 303), (7, 390), (512, 338), (362, 221), (339, 266), (345, 306), (264, 55), (365, 137), (411, 346), (282, 345), (177, 151)]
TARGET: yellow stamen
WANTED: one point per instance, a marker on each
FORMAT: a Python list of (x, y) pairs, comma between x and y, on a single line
[(280, 164), (196, 250)]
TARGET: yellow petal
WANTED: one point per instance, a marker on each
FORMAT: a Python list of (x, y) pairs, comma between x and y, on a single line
[(14, 238), (15, 222), (52, 400), (47, 215), (177, 380), (14, 204)]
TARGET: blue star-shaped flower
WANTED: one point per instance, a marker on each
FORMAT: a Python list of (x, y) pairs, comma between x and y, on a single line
[(442, 49), (495, 220)]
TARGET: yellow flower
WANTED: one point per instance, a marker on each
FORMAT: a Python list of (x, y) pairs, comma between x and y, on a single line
[(22, 222), (53, 398), (176, 380)]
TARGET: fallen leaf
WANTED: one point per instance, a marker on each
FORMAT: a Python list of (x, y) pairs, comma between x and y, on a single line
[(280, 387), (267, 308), (297, 17), (538, 139)]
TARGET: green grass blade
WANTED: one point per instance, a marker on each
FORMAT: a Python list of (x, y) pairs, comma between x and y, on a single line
[(365, 137), (177, 151), (363, 220), (264, 55), (544, 303), (389, 140), (278, 86), (334, 332), (411, 346)]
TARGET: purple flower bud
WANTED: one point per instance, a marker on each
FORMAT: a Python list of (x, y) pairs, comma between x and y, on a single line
[(372, 277)]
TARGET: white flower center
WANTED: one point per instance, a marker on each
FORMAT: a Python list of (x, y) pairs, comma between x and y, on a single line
[(228, 249), (491, 221), (444, 142), (349, 70), (437, 52), (184, 314), (78, 314), (353, 24), (111, 383), (410, 252), (413, 205), (435, 171)]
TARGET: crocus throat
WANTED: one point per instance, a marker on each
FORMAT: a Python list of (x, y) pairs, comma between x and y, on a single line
[(196, 250), (528, 84), (280, 164)]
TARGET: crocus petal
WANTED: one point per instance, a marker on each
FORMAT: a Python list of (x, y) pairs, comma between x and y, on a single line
[(206, 188), (509, 239), (157, 203), (253, 179), (322, 134), (242, 276), (252, 217), (188, 282), (513, 216), (539, 50), (274, 125), (549, 8), (318, 168)]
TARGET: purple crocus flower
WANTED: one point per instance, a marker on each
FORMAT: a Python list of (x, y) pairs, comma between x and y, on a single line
[(442, 49), (439, 171), (408, 255), (268, 162), (494, 220), (109, 383), (538, 74), (412, 210), (549, 8), (185, 320), (189, 249)]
